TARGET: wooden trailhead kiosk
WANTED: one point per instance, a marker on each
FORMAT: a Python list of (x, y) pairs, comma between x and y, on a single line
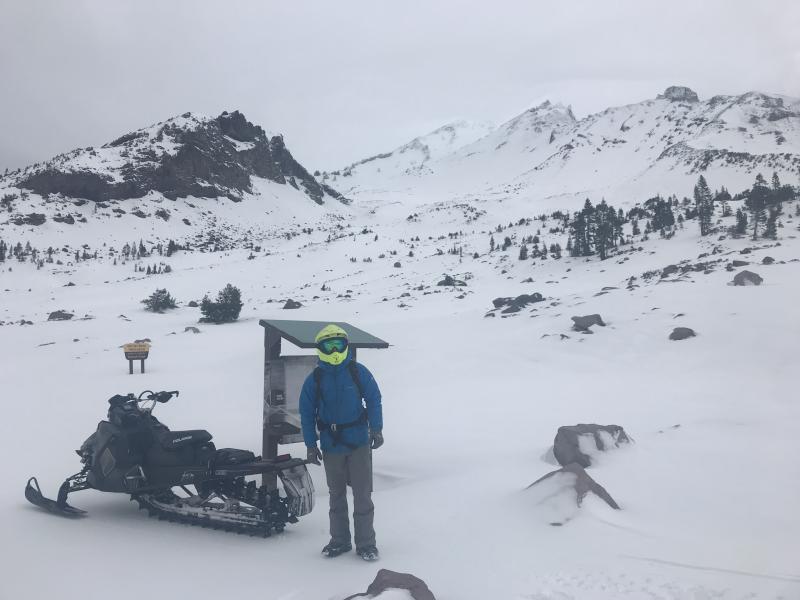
[(284, 375)]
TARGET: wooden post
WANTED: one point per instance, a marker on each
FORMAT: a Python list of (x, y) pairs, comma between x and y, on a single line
[(130, 367), (142, 365), (272, 350)]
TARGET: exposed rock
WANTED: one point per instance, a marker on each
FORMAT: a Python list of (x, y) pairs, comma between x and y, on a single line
[(669, 270), (451, 281), (585, 322), (679, 93), (567, 443), (30, 219), (193, 304), (575, 476), (747, 278), (69, 284), (60, 315), (397, 265), (291, 304), (739, 263), (69, 219), (767, 260), (681, 333), (212, 158), (516, 304), (392, 580), (192, 329)]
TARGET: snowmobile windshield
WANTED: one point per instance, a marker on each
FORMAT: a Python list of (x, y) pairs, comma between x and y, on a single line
[(331, 345)]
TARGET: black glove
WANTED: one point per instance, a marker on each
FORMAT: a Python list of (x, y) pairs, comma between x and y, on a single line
[(313, 454), (375, 439)]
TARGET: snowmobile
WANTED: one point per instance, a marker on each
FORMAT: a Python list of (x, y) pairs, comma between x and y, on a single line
[(133, 453)]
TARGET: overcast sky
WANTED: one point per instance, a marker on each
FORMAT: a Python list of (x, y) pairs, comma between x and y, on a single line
[(346, 79)]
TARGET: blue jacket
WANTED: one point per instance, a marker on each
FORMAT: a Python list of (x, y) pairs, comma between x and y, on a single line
[(340, 403)]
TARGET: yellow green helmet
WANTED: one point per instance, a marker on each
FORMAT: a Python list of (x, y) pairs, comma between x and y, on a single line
[(332, 344)]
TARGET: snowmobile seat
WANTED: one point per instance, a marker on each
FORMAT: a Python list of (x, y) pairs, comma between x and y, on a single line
[(175, 440)]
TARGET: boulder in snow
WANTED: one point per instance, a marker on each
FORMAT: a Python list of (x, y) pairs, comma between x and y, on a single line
[(576, 443), (191, 329), (451, 281), (747, 278), (681, 333), (767, 260), (585, 322), (60, 315), (392, 580), (291, 304)]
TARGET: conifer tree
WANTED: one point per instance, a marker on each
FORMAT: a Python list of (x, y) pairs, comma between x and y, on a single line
[(756, 203), (704, 204)]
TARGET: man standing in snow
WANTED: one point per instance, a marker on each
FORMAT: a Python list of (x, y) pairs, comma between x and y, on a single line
[(333, 401)]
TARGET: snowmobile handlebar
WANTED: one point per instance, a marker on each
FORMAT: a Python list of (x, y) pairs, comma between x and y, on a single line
[(162, 397)]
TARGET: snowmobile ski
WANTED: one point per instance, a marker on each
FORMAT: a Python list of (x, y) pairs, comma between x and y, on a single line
[(34, 495)]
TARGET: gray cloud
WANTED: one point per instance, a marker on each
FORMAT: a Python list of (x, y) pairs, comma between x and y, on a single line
[(346, 79)]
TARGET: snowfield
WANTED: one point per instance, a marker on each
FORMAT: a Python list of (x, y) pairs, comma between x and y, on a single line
[(708, 492)]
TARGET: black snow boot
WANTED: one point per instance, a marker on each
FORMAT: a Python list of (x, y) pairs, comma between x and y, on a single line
[(334, 549), (368, 553)]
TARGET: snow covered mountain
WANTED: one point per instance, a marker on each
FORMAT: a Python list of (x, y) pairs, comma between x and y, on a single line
[(657, 144), (412, 158), (211, 173)]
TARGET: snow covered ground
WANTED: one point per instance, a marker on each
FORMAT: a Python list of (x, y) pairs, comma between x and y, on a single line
[(708, 491)]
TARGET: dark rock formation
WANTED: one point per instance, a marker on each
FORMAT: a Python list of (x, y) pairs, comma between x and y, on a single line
[(747, 278), (291, 304), (582, 482), (681, 333), (451, 281), (60, 315), (516, 304), (679, 93), (213, 158), (566, 446), (387, 580), (739, 263), (191, 329), (585, 322), (767, 260), (669, 270), (30, 219)]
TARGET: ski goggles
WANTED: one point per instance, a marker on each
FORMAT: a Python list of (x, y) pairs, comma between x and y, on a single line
[(331, 345)]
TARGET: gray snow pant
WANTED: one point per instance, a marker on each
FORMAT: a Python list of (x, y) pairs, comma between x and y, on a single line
[(354, 469)]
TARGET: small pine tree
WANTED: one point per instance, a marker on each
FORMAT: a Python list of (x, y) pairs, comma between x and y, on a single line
[(523, 252), (226, 309), (756, 202), (704, 204), (159, 301), (741, 222)]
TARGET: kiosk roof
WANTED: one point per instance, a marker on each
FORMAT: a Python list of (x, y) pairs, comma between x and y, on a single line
[(302, 333)]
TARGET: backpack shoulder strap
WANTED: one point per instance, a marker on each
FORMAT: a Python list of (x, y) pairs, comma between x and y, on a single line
[(318, 384), (353, 368)]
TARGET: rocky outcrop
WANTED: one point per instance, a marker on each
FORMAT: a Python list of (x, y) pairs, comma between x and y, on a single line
[(516, 304), (567, 445), (679, 93), (186, 156)]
